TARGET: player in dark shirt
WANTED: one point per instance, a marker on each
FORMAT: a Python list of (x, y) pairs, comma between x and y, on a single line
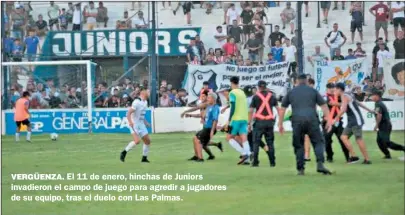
[(337, 129), (383, 126)]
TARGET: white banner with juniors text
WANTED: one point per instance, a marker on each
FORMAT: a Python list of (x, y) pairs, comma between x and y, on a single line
[(218, 77), (350, 72), (394, 79)]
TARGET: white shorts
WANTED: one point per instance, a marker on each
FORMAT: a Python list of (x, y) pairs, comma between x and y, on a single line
[(140, 129)]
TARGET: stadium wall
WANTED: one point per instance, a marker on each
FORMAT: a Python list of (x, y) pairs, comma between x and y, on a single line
[(162, 120)]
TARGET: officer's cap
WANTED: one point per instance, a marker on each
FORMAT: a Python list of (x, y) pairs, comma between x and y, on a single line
[(330, 85), (261, 83)]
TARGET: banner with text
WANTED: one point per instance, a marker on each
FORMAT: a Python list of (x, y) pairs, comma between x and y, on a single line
[(75, 121), (394, 79), (350, 72), (218, 77)]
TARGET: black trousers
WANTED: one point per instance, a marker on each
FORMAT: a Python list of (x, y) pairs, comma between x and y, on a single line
[(264, 128), (311, 127), (336, 130), (384, 140), (76, 27), (251, 141)]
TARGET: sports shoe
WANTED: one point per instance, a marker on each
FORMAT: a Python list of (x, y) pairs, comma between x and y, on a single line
[(330, 160), (366, 162), (243, 159), (211, 158), (145, 159), (301, 172), (199, 160), (353, 159), (123, 155), (387, 157), (220, 147), (192, 158), (307, 159), (322, 169)]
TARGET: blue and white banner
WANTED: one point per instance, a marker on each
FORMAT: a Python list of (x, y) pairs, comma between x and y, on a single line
[(350, 72), (75, 121)]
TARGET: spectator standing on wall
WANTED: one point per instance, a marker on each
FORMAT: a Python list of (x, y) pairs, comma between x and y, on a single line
[(18, 22), (359, 52), (335, 39), (381, 13), (102, 15), (356, 10), (317, 56), (8, 43), (32, 46), (350, 55), (236, 32), (187, 5), (277, 51), (382, 54), (42, 26), (126, 23), (253, 45), (91, 15), (290, 55), (247, 17), (17, 50), (232, 14), (63, 20), (220, 37), (399, 45), (140, 22), (336, 5), (288, 16), (338, 55), (275, 36), (53, 14), (77, 18), (261, 14), (398, 15), (259, 32), (69, 12), (230, 48)]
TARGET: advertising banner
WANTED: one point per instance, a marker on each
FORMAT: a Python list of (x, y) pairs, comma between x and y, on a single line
[(350, 72), (75, 121), (219, 76), (394, 79)]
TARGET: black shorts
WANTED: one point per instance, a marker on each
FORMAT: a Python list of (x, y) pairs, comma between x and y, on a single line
[(204, 135), (355, 24), (325, 4), (53, 22), (247, 29), (399, 21), (24, 122), (187, 8)]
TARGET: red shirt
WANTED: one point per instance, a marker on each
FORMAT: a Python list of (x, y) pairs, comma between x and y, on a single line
[(381, 11), (230, 49)]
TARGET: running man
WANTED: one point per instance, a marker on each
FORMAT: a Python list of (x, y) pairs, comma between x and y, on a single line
[(354, 125), (383, 126), (21, 115), (203, 137), (138, 124), (238, 120)]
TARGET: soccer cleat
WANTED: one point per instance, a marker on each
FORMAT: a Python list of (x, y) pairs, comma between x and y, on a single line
[(211, 157), (322, 169), (301, 172), (220, 147), (192, 158), (255, 165), (353, 159), (199, 160), (272, 164), (145, 159), (307, 159), (243, 159), (123, 155), (366, 162), (388, 157)]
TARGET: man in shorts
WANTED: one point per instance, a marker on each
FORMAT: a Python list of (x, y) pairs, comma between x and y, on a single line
[(381, 18), (354, 125), (203, 137), (187, 5), (21, 116), (288, 16), (325, 5), (138, 124)]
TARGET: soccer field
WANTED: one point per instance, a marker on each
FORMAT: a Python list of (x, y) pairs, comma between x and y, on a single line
[(354, 189)]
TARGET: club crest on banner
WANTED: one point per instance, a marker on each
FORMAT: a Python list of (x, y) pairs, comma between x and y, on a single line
[(199, 77)]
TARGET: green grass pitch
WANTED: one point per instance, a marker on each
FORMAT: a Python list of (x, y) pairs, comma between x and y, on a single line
[(355, 189)]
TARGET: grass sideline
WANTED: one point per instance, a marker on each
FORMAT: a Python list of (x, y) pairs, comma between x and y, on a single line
[(355, 189)]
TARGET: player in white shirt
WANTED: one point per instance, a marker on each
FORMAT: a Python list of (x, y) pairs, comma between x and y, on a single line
[(138, 124)]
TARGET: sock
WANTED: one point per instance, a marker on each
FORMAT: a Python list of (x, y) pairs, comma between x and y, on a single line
[(17, 136), (246, 148), (145, 150), (130, 146), (236, 146), (28, 135)]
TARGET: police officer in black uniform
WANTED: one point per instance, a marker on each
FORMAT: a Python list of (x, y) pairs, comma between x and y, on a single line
[(383, 126), (263, 103), (333, 102), (304, 120)]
